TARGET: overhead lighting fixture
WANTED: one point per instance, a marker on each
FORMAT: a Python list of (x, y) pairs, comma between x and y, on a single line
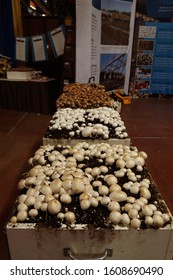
[(32, 5), (42, 7)]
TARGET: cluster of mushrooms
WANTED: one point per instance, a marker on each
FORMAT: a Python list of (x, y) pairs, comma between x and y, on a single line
[(85, 96), (87, 123), (98, 174)]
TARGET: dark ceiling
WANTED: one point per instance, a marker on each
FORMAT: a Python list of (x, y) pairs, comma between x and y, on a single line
[(46, 7)]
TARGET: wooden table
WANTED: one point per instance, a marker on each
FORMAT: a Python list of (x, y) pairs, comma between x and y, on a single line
[(29, 96)]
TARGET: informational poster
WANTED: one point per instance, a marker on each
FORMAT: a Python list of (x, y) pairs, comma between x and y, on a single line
[(83, 40), (95, 43), (57, 40), (104, 39), (152, 68), (22, 49), (38, 46)]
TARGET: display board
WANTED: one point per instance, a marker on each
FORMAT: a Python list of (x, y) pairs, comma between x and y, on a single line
[(104, 36), (152, 63)]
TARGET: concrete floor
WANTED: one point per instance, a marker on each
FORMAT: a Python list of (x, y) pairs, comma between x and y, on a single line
[(149, 123)]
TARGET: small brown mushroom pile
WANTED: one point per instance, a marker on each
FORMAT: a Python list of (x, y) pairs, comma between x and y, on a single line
[(85, 96)]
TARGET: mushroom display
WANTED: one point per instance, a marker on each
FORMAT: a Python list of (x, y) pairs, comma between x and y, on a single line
[(79, 185), (100, 123), (78, 95)]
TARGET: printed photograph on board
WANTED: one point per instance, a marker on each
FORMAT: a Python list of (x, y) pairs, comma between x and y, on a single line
[(115, 22), (112, 70)]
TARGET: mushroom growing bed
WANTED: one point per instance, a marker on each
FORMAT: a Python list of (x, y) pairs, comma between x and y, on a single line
[(68, 126), (87, 96), (90, 200)]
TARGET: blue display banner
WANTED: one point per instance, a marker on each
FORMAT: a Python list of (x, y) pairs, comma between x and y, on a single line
[(160, 8), (153, 48), (155, 59)]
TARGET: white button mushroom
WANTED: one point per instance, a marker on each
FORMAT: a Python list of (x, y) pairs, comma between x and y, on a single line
[(139, 168), (114, 188), (128, 206), (147, 210), (125, 219), (144, 184), (130, 199), (143, 154), (149, 220), (136, 206), (152, 206), (22, 216), (96, 183), (139, 160), (87, 131), (66, 198), (54, 206), (77, 185), (103, 190), (67, 184), (109, 160), (33, 213), (105, 200), (21, 184), (120, 163), (84, 204), (79, 156), (22, 198), (48, 197), (118, 196), (40, 197), (56, 185), (46, 190), (44, 207), (133, 213), (145, 192), (13, 220), (93, 202), (30, 200), (111, 179), (69, 216), (103, 169), (51, 157), (95, 171), (130, 163), (37, 204), (127, 186), (22, 206), (113, 205), (135, 223), (115, 217), (166, 217), (134, 189), (30, 191), (60, 215), (158, 220)]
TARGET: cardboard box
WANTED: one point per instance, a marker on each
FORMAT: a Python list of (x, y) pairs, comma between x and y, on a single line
[(19, 75)]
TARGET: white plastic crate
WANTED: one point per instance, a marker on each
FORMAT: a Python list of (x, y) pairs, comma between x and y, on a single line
[(62, 141), (32, 241)]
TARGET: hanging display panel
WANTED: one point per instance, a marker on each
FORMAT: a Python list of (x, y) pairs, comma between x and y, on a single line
[(153, 48), (104, 38)]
